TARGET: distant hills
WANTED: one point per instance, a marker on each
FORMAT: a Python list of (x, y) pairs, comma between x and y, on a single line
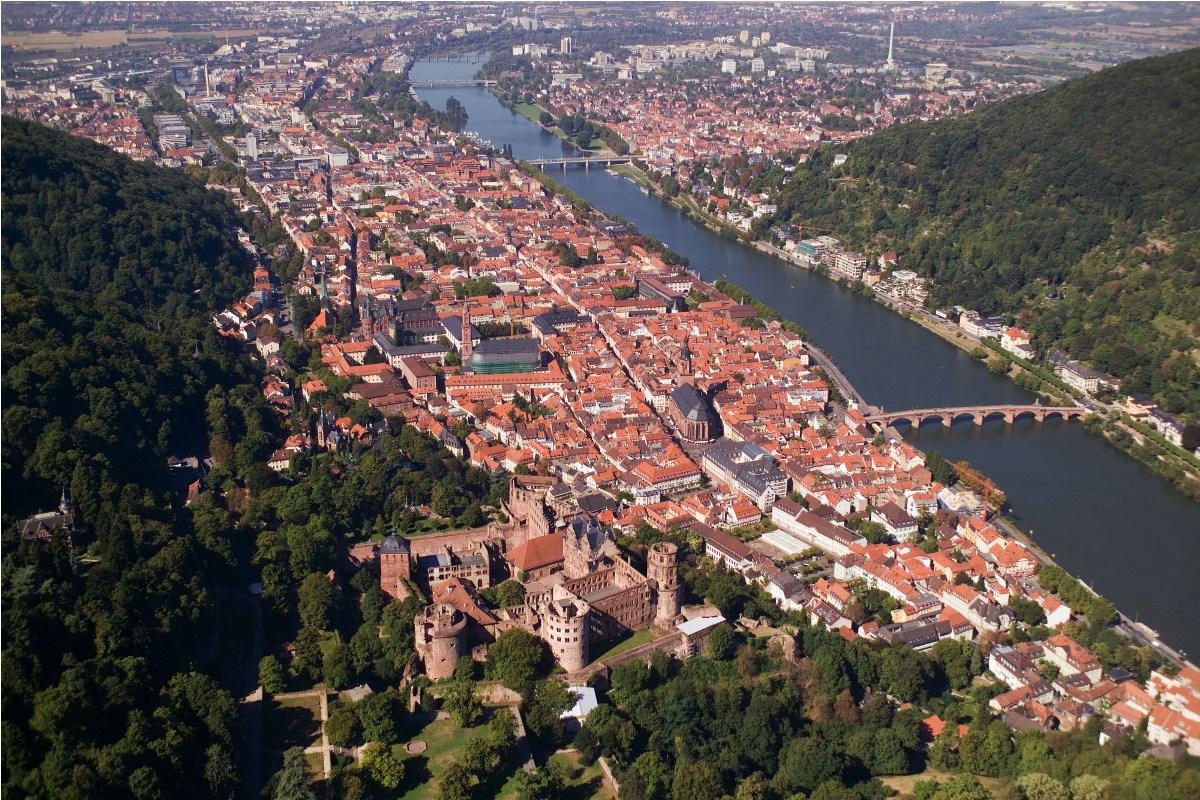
[(1089, 189)]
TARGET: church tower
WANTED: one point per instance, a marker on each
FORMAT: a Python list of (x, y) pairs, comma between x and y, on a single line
[(466, 337), (683, 368)]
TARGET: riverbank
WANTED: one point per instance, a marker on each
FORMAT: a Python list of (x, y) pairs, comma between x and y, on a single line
[(1104, 515), (533, 112), (1171, 463)]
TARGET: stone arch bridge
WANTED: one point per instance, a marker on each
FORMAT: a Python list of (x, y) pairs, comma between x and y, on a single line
[(977, 414)]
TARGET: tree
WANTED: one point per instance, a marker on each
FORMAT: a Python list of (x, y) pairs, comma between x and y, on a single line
[(612, 732), (379, 713), (518, 659), (342, 727), (316, 595), (874, 532), (543, 711), (509, 593), (834, 790), (943, 753), (628, 678), (307, 659), (807, 762), (336, 669), (1040, 786), (291, 782), (697, 780), (463, 704), (938, 467), (1027, 611), (654, 773), (1088, 787), (961, 787), (720, 642), (542, 784), (271, 675), (888, 756), (384, 766), (756, 787)]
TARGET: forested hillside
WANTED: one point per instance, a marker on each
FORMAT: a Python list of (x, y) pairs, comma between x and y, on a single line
[(1090, 188), (110, 270)]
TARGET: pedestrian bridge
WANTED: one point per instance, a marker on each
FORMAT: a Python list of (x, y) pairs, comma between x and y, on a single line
[(977, 414)]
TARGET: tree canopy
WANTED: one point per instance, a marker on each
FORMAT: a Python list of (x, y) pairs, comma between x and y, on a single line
[(111, 269)]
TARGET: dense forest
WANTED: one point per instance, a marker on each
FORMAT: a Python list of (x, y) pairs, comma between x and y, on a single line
[(752, 721), (1072, 210), (112, 649)]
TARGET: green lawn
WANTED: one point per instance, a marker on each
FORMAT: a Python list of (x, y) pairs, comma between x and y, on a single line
[(445, 742), (316, 765), (617, 646), (329, 640), (582, 783), (530, 111), (292, 722), (427, 526), (904, 783)]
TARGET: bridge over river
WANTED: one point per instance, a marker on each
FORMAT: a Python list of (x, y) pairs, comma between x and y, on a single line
[(586, 161), (977, 414)]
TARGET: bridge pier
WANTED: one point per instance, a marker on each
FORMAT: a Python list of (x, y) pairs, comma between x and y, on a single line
[(948, 420), (977, 419)]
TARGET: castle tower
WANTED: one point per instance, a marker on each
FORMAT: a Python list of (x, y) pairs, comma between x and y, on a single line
[(662, 567), (64, 503), (565, 629), (395, 566), (440, 639)]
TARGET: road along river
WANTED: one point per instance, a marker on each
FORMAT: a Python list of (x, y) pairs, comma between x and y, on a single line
[(1102, 516)]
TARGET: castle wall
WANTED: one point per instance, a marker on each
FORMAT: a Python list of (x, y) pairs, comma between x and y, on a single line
[(456, 540), (629, 610)]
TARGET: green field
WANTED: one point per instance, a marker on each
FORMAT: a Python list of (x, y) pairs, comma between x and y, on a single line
[(292, 722), (618, 646), (445, 742), (530, 111), (582, 783)]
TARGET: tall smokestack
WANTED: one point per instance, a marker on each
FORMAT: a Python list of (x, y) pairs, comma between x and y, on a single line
[(891, 39)]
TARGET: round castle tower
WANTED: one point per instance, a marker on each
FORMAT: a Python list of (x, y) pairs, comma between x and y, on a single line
[(439, 639), (565, 629), (663, 569)]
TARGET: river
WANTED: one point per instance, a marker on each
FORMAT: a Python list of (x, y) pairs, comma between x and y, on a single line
[(1103, 516)]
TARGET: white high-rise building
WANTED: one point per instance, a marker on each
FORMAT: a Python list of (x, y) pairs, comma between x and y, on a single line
[(564, 45), (729, 66)]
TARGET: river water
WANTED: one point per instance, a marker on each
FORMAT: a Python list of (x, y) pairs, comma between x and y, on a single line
[(1103, 516)]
